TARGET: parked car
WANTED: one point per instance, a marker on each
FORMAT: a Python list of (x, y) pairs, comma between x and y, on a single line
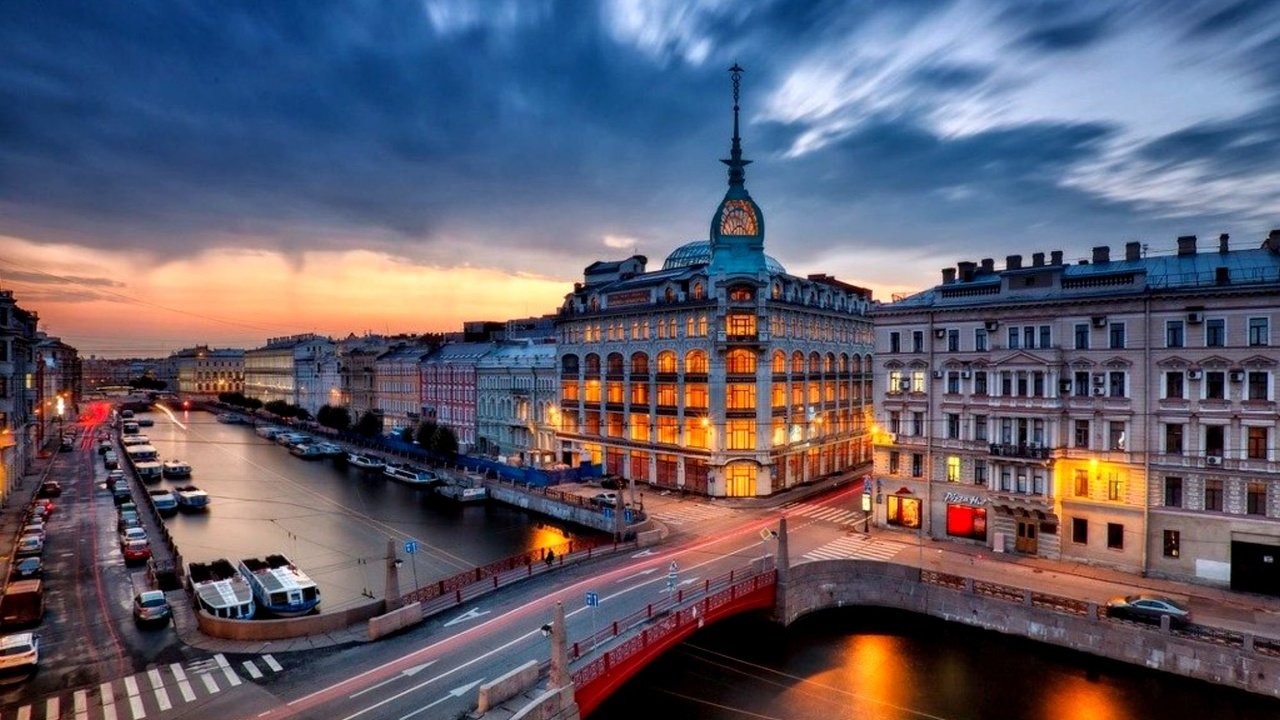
[(605, 499), (43, 507), (114, 477), (19, 653), (146, 422), (150, 606), (609, 482), (133, 533), (26, 569), (110, 460), (28, 545), (127, 507), (1148, 608), (103, 446), (135, 551), (34, 527), (120, 493), (49, 488), (128, 519), (67, 445)]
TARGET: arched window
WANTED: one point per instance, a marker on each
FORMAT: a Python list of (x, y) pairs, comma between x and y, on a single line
[(797, 362), (594, 304), (815, 362), (593, 364), (639, 364), (829, 363), (740, 362), (569, 364), (670, 295), (667, 363), (777, 291), (779, 362), (695, 363), (697, 291), (742, 293), (844, 362), (615, 363)]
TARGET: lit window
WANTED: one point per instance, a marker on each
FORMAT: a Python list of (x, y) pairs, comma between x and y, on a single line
[(695, 363), (741, 434), (740, 362), (953, 469)]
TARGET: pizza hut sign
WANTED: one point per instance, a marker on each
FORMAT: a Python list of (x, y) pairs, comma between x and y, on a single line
[(959, 499)]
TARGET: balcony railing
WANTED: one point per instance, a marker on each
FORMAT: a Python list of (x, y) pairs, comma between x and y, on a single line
[(1028, 451)]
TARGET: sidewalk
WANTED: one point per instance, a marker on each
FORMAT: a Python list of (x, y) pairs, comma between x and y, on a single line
[(1220, 607), (16, 506)]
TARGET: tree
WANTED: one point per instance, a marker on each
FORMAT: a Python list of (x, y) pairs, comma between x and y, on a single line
[(278, 407), (406, 434), (370, 424), (338, 418), (252, 403), (444, 441), (426, 434)]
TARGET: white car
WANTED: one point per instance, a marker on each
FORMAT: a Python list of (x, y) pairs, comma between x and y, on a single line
[(133, 533), (20, 652)]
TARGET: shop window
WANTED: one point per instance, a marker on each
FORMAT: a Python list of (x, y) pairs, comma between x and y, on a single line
[(966, 521), (903, 511), (1080, 531), (740, 480), (1115, 536), (1173, 492), (1172, 543), (1213, 495)]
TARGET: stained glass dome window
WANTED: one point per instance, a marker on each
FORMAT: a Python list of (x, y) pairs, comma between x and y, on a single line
[(737, 217), (698, 252)]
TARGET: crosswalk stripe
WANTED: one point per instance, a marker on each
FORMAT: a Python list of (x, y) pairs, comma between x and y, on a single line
[(24, 712), (157, 685), (183, 685), (209, 683), (53, 708), (135, 700), (825, 513), (271, 663), (252, 669), (108, 702), (232, 677), (80, 700)]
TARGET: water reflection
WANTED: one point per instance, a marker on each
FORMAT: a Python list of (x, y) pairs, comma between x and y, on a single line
[(332, 521), (873, 664)]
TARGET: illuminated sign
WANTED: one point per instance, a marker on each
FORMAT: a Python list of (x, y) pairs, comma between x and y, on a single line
[(630, 297), (957, 498)]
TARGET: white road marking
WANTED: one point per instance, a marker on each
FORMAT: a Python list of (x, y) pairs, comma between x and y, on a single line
[(157, 684), (209, 683), (454, 693), (271, 663), (471, 614), (135, 700), (80, 700), (188, 695), (407, 672), (226, 669), (108, 702), (249, 667), (635, 575)]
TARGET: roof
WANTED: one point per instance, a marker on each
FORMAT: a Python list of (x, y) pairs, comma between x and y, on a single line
[(414, 353), (459, 352), (23, 639), (698, 252)]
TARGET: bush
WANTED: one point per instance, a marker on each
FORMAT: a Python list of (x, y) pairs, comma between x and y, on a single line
[(369, 425)]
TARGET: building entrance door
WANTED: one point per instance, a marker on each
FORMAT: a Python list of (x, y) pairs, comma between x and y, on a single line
[(1026, 541)]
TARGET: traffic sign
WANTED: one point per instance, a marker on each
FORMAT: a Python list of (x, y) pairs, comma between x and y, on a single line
[(593, 599), (410, 547), (767, 534)]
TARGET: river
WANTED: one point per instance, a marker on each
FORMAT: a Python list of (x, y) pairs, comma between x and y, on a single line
[(332, 521), (874, 664)]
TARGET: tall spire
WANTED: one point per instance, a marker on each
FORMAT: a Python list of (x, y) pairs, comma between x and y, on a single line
[(737, 172)]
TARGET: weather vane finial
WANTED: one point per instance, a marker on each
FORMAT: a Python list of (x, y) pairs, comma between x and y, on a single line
[(735, 161)]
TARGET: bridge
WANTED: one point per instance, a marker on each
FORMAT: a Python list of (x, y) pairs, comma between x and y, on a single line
[(602, 662)]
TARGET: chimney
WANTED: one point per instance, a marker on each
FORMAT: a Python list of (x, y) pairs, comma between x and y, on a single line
[(1101, 255), (1187, 245), (1037, 259), (1223, 245), (989, 265), (1013, 262), (1272, 242), (966, 271), (1132, 251), (1055, 257), (948, 275)]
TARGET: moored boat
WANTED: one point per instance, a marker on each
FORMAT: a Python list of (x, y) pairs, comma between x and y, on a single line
[(365, 462), (192, 499), (220, 590), (279, 587), (148, 470), (269, 431), (307, 451), (409, 474), (229, 419), (176, 469)]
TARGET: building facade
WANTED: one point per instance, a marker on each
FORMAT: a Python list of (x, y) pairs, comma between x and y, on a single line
[(397, 381), (205, 372), (720, 374), (449, 388), (19, 396), (1117, 411), (299, 369), (517, 392)]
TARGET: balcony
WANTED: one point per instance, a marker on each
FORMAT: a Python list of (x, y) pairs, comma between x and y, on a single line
[(1024, 451)]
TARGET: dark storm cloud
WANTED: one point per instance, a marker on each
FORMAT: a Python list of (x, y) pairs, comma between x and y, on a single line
[(1230, 17), (1055, 25), (39, 278)]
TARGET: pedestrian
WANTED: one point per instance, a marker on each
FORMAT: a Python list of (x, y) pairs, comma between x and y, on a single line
[(551, 557)]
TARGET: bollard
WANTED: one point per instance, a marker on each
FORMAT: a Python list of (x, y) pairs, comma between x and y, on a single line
[(615, 628), (1165, 624), (1026, 597), (649, 610)]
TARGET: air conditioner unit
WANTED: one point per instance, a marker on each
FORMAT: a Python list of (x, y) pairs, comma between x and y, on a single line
[(1193, 374), (1099, 321), (1099, 379), (1064, 386), (1215, 460), (937, 374), (1237, 376), (991, 325), (940, 333), (1195, 318), (1099, 391), (965, 374)]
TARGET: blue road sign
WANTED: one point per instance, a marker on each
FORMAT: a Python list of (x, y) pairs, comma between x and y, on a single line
[(627, 516), (593, 599), (410, 546)]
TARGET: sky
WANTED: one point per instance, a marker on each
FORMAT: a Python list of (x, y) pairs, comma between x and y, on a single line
[(175, 172)]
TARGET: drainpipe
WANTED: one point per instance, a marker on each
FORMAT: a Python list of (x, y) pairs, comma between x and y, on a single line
[(1146, 429), (928, 429)]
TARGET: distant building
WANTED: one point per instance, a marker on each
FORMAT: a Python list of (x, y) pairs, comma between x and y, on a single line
[(1118, 411), (356, 357), (540, 329), (19, 391), (721, 373), (204, 372), (397, 380), (517, 408), (449, 388), (298, 369)]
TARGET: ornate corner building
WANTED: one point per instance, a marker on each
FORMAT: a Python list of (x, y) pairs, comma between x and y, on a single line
[(1116, 411), (720, 374)]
